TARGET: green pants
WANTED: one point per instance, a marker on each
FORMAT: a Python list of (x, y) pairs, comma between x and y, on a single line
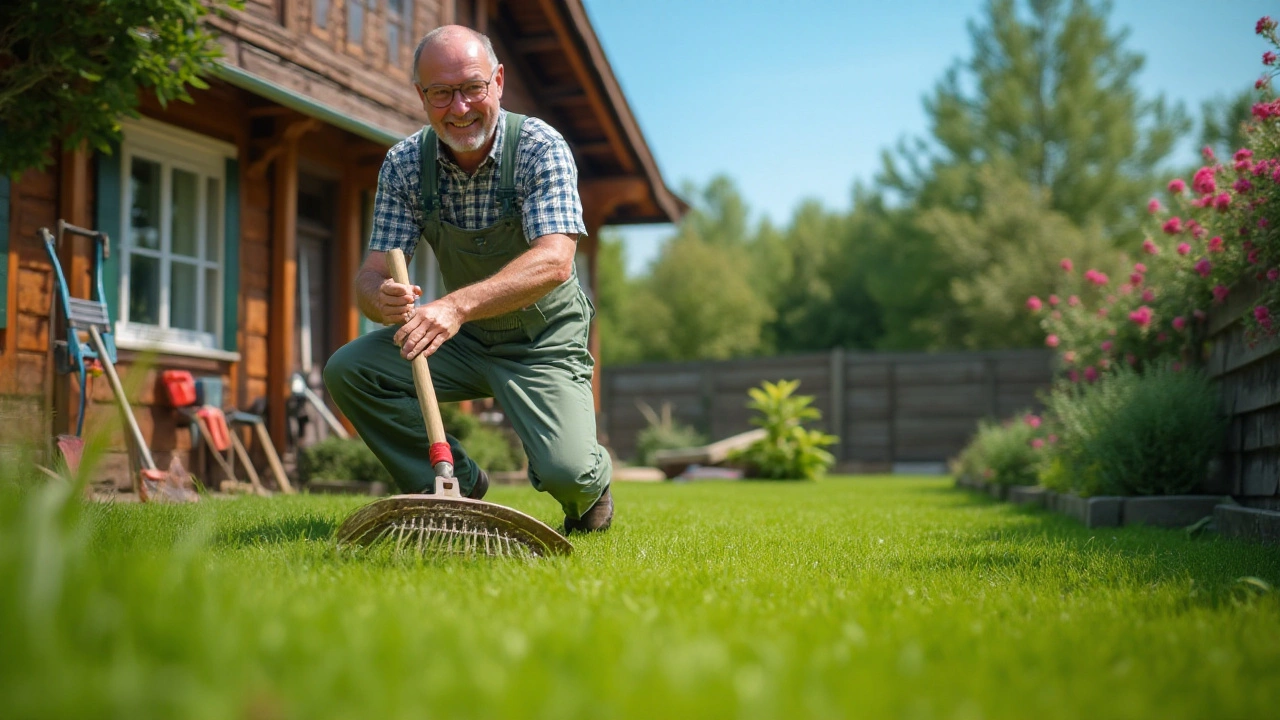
[(544, 386)]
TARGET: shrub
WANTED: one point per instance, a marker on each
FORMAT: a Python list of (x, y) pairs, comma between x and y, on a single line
[(788, 451), (663, 433), (338, 459), (1008, 453), (1149, 433)]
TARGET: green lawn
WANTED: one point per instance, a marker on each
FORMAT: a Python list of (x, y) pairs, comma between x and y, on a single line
[(876, 597)]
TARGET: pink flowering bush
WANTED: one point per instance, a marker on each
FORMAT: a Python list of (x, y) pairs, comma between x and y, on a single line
[(1213, 239), (1008, 453)]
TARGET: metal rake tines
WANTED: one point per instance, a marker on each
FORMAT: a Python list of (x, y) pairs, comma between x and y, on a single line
[(451, 535)]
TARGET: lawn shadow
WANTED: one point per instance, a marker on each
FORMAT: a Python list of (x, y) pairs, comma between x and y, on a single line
[(280, 531)]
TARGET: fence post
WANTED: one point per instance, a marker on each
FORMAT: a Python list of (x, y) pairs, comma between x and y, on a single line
[(836, 387), (992, 381), (893, 412), (707, 393)]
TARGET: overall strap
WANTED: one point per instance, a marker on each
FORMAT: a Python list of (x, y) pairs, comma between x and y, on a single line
[(429, 189), (510, 143)]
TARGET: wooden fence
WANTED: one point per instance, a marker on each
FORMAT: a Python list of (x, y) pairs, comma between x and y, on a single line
[(1249, 380), (883, 407)]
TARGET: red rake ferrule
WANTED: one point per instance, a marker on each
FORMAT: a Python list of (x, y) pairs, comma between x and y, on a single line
[(440, 452)]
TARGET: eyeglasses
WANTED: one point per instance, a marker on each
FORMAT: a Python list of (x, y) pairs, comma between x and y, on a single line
[(473, 91)]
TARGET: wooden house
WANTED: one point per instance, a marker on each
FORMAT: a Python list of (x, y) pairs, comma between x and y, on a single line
[(231, 216)]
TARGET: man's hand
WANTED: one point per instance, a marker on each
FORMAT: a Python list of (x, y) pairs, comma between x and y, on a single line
[(395, 301), (428, 327)]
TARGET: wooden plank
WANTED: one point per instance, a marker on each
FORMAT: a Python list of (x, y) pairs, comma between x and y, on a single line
[(622, 382), (966, 400), (923, 373), (1259, 472), (284, 273), (1252, 388)]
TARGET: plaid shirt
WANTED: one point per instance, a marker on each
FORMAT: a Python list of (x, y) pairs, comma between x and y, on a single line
[(546, 189)]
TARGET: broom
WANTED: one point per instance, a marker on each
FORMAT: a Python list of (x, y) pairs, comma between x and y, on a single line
[(445, 522)]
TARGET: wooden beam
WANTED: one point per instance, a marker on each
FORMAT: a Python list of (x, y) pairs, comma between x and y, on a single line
[(347, 318), (536, 44), (594, 96), (559, 94), (592, 148), (284, 291), (283, 139)]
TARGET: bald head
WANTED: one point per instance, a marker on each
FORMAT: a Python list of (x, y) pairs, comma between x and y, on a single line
[(453, 38)]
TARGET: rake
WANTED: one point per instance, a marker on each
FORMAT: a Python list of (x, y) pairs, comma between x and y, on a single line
[(445, 522)]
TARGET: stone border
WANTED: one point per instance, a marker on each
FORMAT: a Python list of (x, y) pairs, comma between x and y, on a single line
[(1246, 522), (1166, 511)]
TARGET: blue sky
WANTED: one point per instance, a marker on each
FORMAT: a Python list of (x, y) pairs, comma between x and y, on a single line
[(703, 78)]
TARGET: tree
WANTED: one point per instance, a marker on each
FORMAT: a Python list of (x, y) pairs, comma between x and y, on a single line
[(1052, 97), (1223, 120), (615, 300), (72, 69)]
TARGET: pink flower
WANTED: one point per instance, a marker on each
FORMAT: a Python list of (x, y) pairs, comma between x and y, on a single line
[(1090, 374), (1252, 257), (1162, 337), (1148, 295), (1073, 376), (1268, 58), (1036, 443), (1273, 274), (1139, 267), (1142, 316), (1034, 304), (1125, 289), (1242, 154), (1265, 24), (1096, 277), (1102, 312), (1222, 201), (1106, 346), (1153, 206), (1053, 301), (1065, 264), (1176, 185), (1032, 420), (1242, 185), (1266, 110), (1069, 357), (1215, 244), (1172, 226), (1074, 301), (1263, 222), (1204, 267), (1263, 315), (1150, 247), (1131, 359), (1207, 153), (1203, 182), (1261, 82), (1135, 279), (1183, 248), (1199, 315), (1179, 323), (1051, 341), (1056, 315), (1220, 293), (1196, 229), (1053, 439)]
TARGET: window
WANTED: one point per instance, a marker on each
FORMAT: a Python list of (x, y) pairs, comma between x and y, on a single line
[(355, 21), (399, 24), (173, 241), (320, 13)]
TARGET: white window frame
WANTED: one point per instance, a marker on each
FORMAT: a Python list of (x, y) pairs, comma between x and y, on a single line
[(173, 148)]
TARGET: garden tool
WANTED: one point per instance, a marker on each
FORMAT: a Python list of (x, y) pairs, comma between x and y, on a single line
[(446, 522)]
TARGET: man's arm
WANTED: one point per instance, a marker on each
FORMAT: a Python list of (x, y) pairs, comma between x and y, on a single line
[(528, 278)]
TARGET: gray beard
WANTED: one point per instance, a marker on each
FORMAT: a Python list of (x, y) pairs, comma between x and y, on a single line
[(473, 146)]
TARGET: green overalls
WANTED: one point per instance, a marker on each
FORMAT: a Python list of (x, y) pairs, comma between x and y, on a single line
[(534, 361)]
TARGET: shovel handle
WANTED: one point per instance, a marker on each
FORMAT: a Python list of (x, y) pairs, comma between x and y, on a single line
[(422, 379)]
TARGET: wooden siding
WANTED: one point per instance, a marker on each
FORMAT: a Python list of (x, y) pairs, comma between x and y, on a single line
[(884, 407)]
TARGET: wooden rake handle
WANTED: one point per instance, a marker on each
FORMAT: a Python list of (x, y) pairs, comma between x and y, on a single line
[(440, 452)]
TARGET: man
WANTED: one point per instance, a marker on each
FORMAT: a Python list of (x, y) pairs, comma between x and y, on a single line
[(495, 196)]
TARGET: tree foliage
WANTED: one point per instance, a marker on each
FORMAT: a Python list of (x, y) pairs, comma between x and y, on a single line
[(71, 69)]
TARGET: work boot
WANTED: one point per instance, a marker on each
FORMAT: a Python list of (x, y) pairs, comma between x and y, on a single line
[(597, 517), (481, 487)]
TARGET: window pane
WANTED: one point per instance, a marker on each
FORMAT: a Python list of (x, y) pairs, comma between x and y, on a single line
[(144, 214), (393, 42), (183, 296), (355, 22), (211, 293), (320, 13), (184, 214), (144, 290), (213, 221)]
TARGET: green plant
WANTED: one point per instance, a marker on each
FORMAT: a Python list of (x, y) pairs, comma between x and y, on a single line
[(338, 459), (1138, 433), (663, 433), (1008, 453), (788, 451), (76, 66)]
